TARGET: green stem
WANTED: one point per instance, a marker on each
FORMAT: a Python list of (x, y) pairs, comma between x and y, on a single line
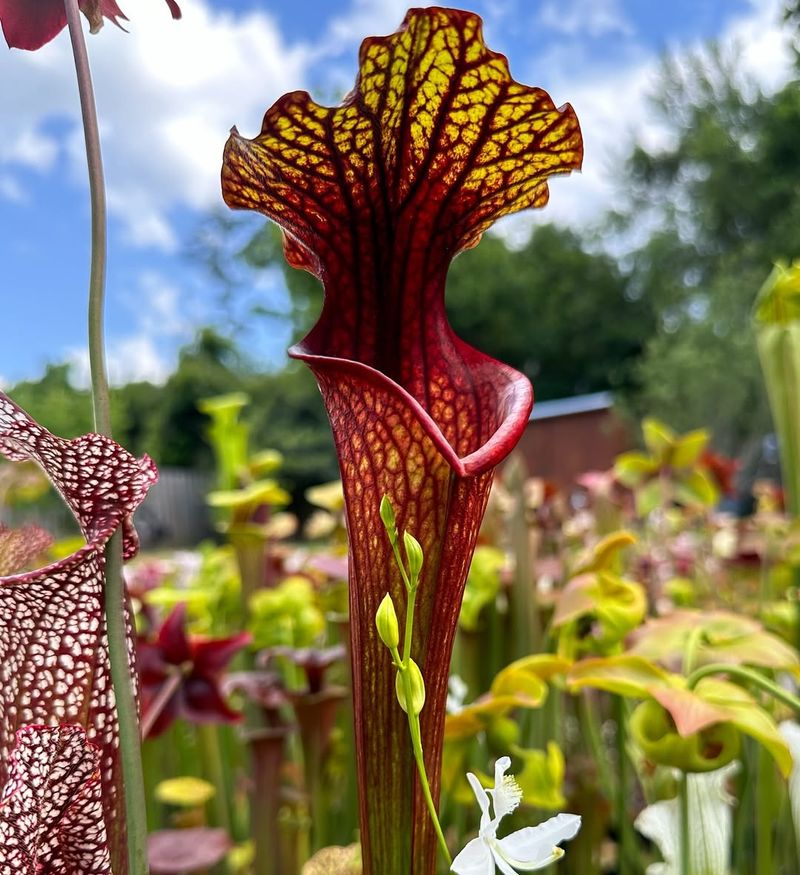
[(591, 733), (407, 638), (416, 746), (765, 813), (683, 802), (116, 626), (623, 826), (208, 736), (745, 674), (413, 719)]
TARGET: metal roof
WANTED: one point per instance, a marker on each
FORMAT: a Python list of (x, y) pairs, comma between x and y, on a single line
[(571, 406)]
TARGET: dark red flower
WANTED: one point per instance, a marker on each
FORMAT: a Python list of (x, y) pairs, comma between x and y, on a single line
[(376, 197), (723, 469), (29, 24), (53, 645), (181, 675)]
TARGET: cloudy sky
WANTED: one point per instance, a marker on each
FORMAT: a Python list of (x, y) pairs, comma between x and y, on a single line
[(168, 92)]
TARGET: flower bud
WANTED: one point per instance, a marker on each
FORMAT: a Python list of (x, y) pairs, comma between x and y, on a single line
[(386, 621), (414, 702), (654, 731), (387, 517), (413, 554)]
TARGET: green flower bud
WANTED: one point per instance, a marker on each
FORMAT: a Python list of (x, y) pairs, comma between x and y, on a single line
[(654, 731), (413, 554), (414, 703), (387, 517), (386, 621)]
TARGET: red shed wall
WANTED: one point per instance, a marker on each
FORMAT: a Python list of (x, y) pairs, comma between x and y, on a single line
[(558, 448)]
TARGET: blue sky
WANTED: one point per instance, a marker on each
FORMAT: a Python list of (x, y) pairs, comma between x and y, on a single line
[(168, 92)]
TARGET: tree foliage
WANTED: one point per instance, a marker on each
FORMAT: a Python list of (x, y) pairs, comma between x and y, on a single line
[(725, 200)]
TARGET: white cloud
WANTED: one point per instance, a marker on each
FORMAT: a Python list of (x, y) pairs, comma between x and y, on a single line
[(159, 325), (130, 359), (10, 189), (594, 18), (765, 52), (167, 92), (613, 104)]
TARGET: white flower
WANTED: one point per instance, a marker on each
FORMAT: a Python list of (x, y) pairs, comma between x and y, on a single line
[(711, 826), (456, 693), (791, 735), (525, 850)]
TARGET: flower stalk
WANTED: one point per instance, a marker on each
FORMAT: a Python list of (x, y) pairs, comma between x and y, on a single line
[(412, 697), (116, 624)]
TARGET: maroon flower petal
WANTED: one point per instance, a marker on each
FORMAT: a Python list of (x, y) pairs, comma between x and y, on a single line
[(51, 813), (29, 25), (376, 197), (174, 9), (203, 702), (53, 646), (172, 641), (211, 656)]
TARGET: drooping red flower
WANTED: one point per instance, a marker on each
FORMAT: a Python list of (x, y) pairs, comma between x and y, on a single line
[(54, 664), (181, 675), (723, 469), (29, 24), (51, 811), (375, 198)]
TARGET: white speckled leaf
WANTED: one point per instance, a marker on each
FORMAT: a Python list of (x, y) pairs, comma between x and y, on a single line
[(51, 812), (54, 665)]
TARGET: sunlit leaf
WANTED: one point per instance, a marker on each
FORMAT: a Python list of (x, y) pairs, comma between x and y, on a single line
[(625, 675)]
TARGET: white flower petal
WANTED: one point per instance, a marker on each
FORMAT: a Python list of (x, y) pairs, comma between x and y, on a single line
[(534, 847), (791, 735), (501, 863), (474, 859), (711, 822), (481, 796)]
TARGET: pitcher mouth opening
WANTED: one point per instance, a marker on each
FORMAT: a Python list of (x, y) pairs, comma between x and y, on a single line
[(514, 401)]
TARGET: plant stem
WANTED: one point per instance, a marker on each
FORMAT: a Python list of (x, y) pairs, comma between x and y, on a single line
[(413, 719), (765, 812), (683, 802), (416, 745), (591, 734), (623, 826), (116, 625), (745, 674), (158, 704)]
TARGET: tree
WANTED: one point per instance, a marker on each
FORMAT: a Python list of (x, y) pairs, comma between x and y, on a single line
[(725, 199)]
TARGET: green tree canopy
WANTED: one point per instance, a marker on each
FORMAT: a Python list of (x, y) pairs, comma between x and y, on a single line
[(725, 200)]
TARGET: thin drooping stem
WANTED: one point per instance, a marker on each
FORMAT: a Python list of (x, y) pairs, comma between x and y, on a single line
[(749, 676), (127, 710), (160, 702)]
